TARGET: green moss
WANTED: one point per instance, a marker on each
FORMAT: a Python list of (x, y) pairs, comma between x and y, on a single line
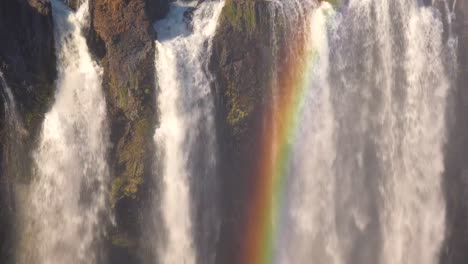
[(122, 97), (28, 118), (136, 145), (147, 91), (241, 15), (121, 241), (134, 83), (334, 2), (131, 156), (43, 99), (118, 93), (239, 108)]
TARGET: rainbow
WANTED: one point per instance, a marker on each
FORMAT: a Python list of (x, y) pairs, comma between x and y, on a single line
[(263, 224)]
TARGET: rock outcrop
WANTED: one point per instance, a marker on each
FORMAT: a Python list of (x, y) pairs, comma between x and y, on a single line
[(241, 64), (456, 152), (27, 60), (123, 38), (157, 9), (27, 55), (73, 4)]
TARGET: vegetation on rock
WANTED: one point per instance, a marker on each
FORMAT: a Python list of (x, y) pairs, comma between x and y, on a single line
[(128, 53), (240, 62), (241, 15)]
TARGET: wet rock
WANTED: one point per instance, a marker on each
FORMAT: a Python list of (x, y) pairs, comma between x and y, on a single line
[(27, 59), (157, 9), (240, 62), (188, 14), (73, 4), (127, 56), (27, 56), (456, 151)]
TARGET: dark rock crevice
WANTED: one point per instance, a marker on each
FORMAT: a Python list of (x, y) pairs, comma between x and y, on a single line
[(456, 152)]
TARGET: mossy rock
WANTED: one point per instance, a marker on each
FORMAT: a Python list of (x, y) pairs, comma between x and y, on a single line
[(241, 15), (240, 107), (131, 153), (34, 116), (121, 240)]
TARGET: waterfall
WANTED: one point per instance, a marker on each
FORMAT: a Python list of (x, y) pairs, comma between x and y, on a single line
[(9, 101), (12, 119), (351, 144), (14, 130), (67, 199), (12, 149), (186, 135), (366, 168), (310, 231)]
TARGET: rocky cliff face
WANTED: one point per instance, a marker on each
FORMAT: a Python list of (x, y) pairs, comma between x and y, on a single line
[(27, 59), (123, 37), (27, 55), (240, 62), (242, 82), (456, 172)]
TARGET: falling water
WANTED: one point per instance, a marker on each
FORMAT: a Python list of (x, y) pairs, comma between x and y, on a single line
[(311, 232), (14, 126), (186, 136), (367, 164), (8, 99), (67, 199), (11, 161)]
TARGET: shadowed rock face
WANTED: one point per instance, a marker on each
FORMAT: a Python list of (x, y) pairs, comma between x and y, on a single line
[(121, 37), (124, 40), (27, 59), (241, 64), (456, 161), (73, 4), (27, 55), (157, 9)]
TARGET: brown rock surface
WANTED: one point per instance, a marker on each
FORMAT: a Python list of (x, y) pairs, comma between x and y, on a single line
[(241, 64), (128, 53)]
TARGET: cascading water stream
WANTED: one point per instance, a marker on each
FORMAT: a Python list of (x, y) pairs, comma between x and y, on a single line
[(354, 163), (66, 204), (9, 101), (390, 105), (186, 137), (311, 233), (14, 125), (12, 149), (365, 170)]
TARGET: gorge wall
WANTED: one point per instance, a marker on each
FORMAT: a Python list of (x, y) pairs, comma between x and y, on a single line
[(121, 38), (27, 61), (242, 79), (125, 29), (241, 60), (27, 55), (456, 174)]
